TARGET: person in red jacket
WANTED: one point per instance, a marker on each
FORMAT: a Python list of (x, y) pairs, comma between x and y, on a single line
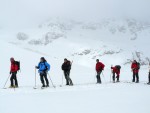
[(13, 72), (116, 70), (135, 70), (99, 68)]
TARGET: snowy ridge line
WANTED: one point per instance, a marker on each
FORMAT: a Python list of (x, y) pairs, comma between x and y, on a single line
[(35, 51), (28, 49)]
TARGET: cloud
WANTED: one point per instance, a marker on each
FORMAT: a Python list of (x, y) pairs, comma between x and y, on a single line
[(33, 11)]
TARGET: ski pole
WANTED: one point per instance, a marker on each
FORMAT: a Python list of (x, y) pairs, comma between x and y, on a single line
[(51, 81), (110, 77), (35, 78), (62, 81), (111, 74), (95, 76), (103, 76), (6, 82)]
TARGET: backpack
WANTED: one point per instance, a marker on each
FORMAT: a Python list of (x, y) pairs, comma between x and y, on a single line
[(18, 64), (45, 66), (138, 64), (118, 67), (69, 65)]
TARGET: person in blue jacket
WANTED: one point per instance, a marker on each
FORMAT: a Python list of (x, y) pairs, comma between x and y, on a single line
[(43, 67)]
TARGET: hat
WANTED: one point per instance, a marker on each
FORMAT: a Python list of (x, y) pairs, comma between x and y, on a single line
[(65, 59), (12, 59), (97, 60), (42, 58)]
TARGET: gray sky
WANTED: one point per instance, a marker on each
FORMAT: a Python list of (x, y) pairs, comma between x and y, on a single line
[(14, 12)]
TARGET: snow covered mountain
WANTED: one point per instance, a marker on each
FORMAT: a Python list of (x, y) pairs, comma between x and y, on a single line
[(91, 39)]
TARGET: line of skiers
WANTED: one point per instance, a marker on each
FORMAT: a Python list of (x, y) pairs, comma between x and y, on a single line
[(43, 68)]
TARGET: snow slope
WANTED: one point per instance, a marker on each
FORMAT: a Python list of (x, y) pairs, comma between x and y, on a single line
[(82, 43)]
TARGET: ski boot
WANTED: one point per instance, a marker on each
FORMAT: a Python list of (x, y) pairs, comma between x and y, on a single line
[(43, 86), (11, 86), (16, 86), (47, 85), (148, 83)]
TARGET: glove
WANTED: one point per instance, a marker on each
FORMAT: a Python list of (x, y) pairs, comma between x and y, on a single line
[(46, 71), (36, 67)]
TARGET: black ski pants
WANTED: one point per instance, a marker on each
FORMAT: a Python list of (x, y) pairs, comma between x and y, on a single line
[(99, 77), (13, 79), (135, 75), (115, 76), (67, 77), (44, 76)]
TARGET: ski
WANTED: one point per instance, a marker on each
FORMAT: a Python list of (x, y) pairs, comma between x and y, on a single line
[(43, 87), (34, 87), (146, 83)]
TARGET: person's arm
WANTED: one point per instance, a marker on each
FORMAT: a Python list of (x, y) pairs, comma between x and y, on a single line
[(132, 66), (37, 67), (112, 67), (48, 66), (10, 69), (62, 67)]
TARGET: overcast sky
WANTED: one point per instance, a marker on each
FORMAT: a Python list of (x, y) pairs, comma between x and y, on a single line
[(13, 12)]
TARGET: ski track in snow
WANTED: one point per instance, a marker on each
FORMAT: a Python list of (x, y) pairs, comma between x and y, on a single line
[(76, 87)]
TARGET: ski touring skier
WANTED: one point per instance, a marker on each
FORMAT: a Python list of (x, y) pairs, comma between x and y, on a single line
[(116, 70), (135, 66), (43, 68), (99, 68), (66, 67), (13, 72)]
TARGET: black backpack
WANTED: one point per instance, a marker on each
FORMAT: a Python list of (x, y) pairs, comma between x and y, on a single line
[(118, 67), (138, 65), (18, 64), (45, 66)]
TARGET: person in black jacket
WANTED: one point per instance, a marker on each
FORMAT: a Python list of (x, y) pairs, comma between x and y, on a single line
[(66, 67)]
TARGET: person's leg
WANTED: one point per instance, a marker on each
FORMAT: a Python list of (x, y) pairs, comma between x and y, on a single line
[(11, 80), (46, 79), (98, 77), (137, 77), (42, 79), (69, 79), (133, 80), (117, 77), (67, 82), (149, 77), (113, 77), (15, 79)]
